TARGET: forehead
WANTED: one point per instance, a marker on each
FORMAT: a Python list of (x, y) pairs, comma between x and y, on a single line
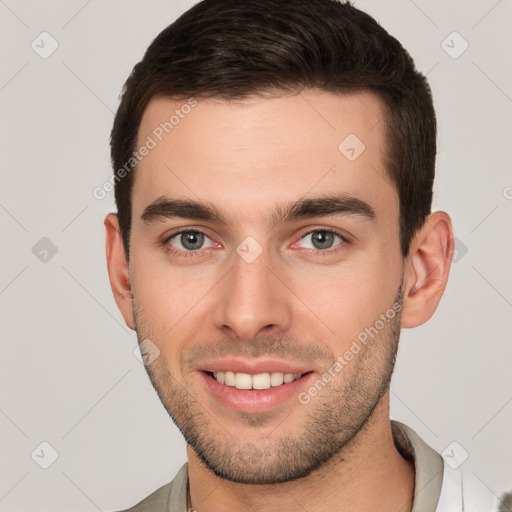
[(248, 155)]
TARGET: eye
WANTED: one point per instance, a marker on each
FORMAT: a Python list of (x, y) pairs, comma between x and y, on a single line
[(321, 239), (190, 241)]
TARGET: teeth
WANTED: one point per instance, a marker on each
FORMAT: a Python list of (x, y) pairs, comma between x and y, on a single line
[(261, 381), (229, 378), (266, 380), (276, 379), (288, 377), (243, 381)]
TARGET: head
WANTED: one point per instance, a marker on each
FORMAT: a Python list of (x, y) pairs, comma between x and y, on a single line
[(274, 213)]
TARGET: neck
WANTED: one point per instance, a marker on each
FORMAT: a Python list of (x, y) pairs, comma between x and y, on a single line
[(367, 474)]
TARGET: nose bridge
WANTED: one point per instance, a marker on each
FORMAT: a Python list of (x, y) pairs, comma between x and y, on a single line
[(251, 299)]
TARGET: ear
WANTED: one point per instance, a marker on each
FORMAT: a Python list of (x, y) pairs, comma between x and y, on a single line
[(118, 270), (427, 268)]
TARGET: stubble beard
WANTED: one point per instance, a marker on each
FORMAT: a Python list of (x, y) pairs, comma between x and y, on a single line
[(332, 421)]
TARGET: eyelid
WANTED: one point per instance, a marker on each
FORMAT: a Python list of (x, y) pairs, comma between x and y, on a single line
[(344, 237), (166, 241), (327, 230), (167, 236)]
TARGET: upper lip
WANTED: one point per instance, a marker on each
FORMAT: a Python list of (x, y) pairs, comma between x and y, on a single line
[(254, 366)]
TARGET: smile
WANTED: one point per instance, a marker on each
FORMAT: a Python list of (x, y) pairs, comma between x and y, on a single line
[(254, 393), (259, 381)]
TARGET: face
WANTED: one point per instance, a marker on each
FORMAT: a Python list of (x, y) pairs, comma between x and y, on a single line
[(263, 252)]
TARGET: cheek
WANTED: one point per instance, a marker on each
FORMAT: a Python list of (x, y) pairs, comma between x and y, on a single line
[(350, 297), (168, 298)]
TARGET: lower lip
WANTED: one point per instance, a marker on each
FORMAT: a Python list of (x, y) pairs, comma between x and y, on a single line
[(257, 400)]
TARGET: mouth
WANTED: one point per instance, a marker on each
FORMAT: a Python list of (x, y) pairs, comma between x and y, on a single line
[(259, 381), (255, 392)]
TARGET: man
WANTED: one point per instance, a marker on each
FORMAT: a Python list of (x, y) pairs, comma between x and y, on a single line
[(274, 164)]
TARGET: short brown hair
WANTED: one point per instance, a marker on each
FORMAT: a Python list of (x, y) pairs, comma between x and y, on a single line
[(233, 49)]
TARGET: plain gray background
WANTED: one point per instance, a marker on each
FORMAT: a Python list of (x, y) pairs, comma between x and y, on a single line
[(69, 376)]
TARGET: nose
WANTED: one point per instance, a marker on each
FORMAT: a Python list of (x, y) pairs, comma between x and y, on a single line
[(253, 301)]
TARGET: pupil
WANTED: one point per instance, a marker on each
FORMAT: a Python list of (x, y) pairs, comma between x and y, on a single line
[(192, 240), (322, 239)]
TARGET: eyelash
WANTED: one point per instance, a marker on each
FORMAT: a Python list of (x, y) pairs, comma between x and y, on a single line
[(187, 254), (326, 252)]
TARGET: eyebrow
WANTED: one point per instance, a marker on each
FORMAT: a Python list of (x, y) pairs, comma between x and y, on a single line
[(327, 205)]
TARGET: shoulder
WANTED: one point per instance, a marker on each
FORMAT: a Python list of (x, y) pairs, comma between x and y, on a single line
[(156, 502), (463, 490), (443, 485), (169, 497)]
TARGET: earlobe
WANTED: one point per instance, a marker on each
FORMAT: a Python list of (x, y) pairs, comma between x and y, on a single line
[(427, 269), (118, 269)]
